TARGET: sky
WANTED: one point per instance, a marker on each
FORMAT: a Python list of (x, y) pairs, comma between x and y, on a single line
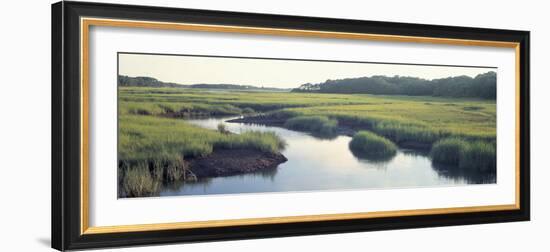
[(269, 72)]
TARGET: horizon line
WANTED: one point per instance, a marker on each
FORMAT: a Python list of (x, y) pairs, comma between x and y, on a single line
[(271, 87)]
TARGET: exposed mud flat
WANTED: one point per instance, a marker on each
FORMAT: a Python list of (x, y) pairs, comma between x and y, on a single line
[(228, 162)]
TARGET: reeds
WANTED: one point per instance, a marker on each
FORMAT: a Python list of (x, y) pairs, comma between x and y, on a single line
[(371, 146), (475, 155), (316, 124)]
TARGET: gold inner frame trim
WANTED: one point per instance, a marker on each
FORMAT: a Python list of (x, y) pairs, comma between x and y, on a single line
[(86, 23)]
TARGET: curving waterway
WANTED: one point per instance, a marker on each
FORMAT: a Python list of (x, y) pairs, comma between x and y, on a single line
[(325, 164)]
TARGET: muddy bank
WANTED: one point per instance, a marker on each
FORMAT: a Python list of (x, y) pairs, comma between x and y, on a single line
[(227, 162), (144, 179)]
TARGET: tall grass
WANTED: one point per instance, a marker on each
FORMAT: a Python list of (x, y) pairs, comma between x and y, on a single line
[(448, 151), (474, 155), (407, 133), (479, 155), (137, 181), (149, 137), (149, 143), (257, 101), (180, 109), (371, 146), (315, 124), (408, 120), (151, 149), (402, 119)]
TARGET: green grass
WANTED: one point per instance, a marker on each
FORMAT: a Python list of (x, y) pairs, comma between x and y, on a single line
[(448, 151), (138, 181), (479, 155), (399, 118), (152, 148), (473, 155), (181, 109), (406, 119), (321, 125), (402, 119), (151, 135), (151, 138), (371, 146), (245, 101)]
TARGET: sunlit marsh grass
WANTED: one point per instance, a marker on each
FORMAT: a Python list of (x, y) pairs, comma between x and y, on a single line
[(152, 133), (371, 146), (153, 148), (480, 155), (400, 118), (316, 124), (149, 138)]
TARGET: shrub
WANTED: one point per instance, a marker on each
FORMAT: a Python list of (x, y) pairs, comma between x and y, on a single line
[(371, 146)]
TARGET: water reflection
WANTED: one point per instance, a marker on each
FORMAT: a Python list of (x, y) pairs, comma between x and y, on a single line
[(375, 159), (472, 176), (327, 164)]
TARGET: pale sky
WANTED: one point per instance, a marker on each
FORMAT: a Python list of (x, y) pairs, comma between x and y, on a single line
[(268, 72)]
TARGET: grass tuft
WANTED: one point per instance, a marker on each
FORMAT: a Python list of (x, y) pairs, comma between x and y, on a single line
[(474, 155), (479, 155), (316, 124), (371, 146), (448, 151), (138, 182)]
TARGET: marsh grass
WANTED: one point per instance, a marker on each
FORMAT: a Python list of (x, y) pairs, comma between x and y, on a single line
[(137, 181), (153, 143), (402, 119), (479, 155), (149, 138), (372, 146), (410, 123), (472, 108), (151, 149), (321, 125), (472, 155), (222, 128), (448, 151), (178, 109)]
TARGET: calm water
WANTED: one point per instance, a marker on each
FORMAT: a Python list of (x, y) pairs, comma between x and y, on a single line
[(325, 164)]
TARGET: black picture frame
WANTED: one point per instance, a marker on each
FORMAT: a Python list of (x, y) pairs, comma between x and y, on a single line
[(66, 125)]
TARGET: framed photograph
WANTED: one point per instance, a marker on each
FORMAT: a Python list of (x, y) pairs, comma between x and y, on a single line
[(182, 125)]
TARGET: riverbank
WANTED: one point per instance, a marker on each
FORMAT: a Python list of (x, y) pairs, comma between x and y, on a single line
[(229, 162), (343, 128), (142, 179), (279, 121), (160, 144), (154, 151)]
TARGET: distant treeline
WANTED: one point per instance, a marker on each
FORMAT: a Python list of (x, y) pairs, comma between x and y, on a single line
[(482, 86), (127, 81)]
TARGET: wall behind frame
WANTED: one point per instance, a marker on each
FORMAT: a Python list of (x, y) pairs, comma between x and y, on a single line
[(25, 134)]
